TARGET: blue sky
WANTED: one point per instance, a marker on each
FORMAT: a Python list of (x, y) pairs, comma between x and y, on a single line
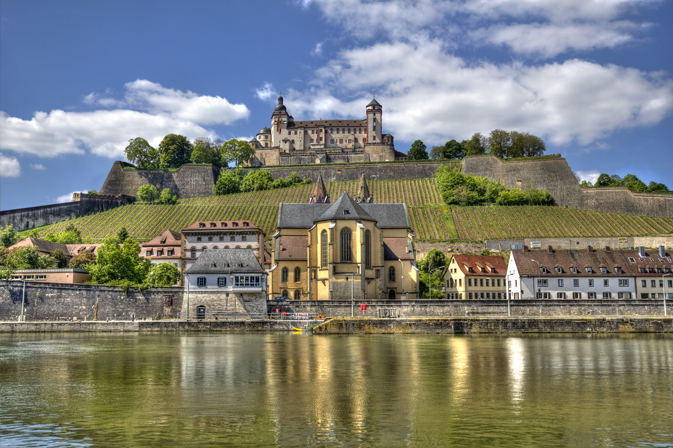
[(79, 79)]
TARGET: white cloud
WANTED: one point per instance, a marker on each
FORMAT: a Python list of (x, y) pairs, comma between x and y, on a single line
[(589, 176), (151, 111), (266, 92), (37, 166), (9, 166), (450, 98), (317, 50), (67, 197)]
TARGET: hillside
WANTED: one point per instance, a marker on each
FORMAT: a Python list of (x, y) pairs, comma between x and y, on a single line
[(429, 219)]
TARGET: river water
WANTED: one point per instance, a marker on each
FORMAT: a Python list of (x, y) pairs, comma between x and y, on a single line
[(367, 390)]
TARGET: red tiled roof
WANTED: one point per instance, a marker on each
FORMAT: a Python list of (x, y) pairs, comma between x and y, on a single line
[(395, 249), (166, 238), (491, 261), (293, 247), (74, 249)]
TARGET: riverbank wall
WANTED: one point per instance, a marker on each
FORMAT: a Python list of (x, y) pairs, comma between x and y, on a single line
[(157, 326), (497, 325)]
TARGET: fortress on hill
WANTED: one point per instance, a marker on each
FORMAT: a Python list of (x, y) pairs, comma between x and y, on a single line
[(290, 142)]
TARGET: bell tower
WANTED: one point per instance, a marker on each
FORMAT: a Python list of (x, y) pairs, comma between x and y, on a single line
[(278, 122), (374, 122)]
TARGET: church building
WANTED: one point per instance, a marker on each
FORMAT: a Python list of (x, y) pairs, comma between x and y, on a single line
[(324, 141), (348, 248)]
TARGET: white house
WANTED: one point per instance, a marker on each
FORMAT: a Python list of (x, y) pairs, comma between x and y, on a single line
[(570, 274)]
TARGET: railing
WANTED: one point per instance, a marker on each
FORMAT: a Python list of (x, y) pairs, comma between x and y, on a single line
[(295, 316)]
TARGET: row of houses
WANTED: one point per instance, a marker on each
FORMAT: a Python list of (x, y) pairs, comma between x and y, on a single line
[(562, 274)]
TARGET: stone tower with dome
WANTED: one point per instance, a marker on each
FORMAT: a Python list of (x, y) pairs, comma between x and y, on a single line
[(290, 142)]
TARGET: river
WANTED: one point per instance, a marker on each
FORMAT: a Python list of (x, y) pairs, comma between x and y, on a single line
[(195, 389)]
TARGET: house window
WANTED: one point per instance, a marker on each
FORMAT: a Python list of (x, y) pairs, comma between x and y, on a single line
[(193, 254), (619, 270), (604, 270), (607, 295), (232, 238), (148, 253), (391, 274), (224, 224), (368, 249), (624, 282), (590, 270), (246, 281), (283, 275), (323, 248), (560, 295), (40, 277), (624, 295), (543, 270), (284, 293), (576, 282), (469, 282), (487, 282), (643, 283), (160, 253), (541, 282), (391, 294), (591, 282), (212, 224), (201, 225), (577, 295), (653, 283), (171, 252), (244, 238), (198, 239), (498, 282), (470, 295), (573, 269), (221, 238), (221, 281), (591, 295), (346, 250), (297, 274), (481, 282), (560, 283), (297, 295), (201, 281)]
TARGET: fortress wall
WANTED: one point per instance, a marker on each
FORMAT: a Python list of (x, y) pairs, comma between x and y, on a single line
[(553, 175), (30, 217), (190, 181), (622, 200)]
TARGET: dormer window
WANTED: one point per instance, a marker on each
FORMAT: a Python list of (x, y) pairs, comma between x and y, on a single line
[(246, 224), (642, 270), (234, 224), (618, 270), (632, 260), (224, 224), (559, 270), (212, 224), (201, 225), (604, 270), (240, 265), (163, 241), (590, 270), (668, 270), (346, 212), (543, 270), (213, 265), (574, 270)]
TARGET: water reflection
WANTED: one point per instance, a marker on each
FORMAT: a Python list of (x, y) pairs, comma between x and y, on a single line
[(289, 390)]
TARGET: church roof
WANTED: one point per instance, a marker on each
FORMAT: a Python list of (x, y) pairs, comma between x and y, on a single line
[(304, 216), (373, 102), (363, 191), (345, 208)]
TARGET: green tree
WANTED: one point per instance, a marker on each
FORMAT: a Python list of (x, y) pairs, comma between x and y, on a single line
[(655, 187), (60, 258), (228, 183), (8, 236), (119, 265), (257, 180), (163, 275), (526, 145), (476, 145), (205, 151), (454, 150), (294, 178), (148, 193), (92, 192), (437, 153), (28, 258), (433, 259), (69, 235), (82, 260), (142, 154), (122, 234), (499, 142), (605, 180), (174, 151), (167, 198), (418, 151), (237, 151), (632, 182)]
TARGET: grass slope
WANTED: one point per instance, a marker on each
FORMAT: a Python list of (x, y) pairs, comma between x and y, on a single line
[(429, 219)]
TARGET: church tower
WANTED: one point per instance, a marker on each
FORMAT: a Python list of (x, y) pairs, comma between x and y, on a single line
[(374, 123), (279, 120)]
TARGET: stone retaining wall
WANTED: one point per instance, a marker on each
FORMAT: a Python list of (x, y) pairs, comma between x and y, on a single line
[(651, 242)]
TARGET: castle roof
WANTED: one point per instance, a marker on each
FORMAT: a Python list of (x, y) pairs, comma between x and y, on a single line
[(345, 208), (373, 102), (264, 130), (327, 124)]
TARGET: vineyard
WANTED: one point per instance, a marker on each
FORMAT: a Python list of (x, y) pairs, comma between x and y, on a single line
[(429, 219)]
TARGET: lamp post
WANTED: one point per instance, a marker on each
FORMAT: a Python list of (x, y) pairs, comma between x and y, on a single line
[(23, 298), (352, 275), (538, 270), (509, 314), (187, 275), (430, 279), (664, 283)]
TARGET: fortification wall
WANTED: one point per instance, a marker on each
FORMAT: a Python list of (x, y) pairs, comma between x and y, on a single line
[(30, 217), (622, 200), (189, 181), (64, 302), (650, 242)]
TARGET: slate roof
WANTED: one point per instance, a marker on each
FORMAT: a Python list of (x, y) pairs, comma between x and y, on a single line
[(345, 208), (226, 261), (43, 246), (396, 249), (373, 102), (493, 265), (581, 259), (303, 216), (327, 124), (293, 247)]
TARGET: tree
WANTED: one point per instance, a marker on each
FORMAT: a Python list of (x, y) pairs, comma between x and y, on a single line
[(205, 151), (119, 265), (605, 180), (237, 151), (499, 142), (174, 151), (294, 178), (92, 192), (454, 150), (70, 235), (437, 153), (418, 151), (163, 275), (28, 258), (8, 236), (257, 181), (434, 259), (148, 193), (60, 258), (142, 154), (476, 145), (82, 260), (526, 145), (122, 235), (655, 187), (229, 182), (632, 182), (167, 198)]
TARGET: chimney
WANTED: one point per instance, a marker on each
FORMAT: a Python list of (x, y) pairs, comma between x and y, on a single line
[(550, 250), (525, 248), (641, 251), (590, 249), (662, 251), (607, 248)]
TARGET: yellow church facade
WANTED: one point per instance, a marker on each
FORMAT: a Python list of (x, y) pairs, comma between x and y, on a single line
[(348, 249)]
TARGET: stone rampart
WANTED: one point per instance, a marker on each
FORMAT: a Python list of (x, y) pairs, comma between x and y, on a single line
[(650, 242), (189, 181), (65, 302), (30, 217)]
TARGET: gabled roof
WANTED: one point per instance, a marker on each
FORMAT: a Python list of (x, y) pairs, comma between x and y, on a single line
[(166, 238), (496, 265), (304, 216), (225, 261), (582, 259), (373, 102), (396, 249), (41, 245), (345, 208)]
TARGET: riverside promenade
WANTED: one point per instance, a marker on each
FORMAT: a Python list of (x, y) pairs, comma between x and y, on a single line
[(424, 325)]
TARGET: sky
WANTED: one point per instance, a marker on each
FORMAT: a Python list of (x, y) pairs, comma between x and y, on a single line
[(79, 79)]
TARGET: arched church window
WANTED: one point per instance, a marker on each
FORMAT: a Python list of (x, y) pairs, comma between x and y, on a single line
[(391, 274), (283, 276), (297, 274), (346, 251), (368, 249), (323, 249)]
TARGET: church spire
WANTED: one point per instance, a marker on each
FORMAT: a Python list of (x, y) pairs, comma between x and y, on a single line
[(320, 195), (363, 191)]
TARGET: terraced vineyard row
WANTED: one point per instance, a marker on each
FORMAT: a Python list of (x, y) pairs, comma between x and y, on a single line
[(482, 223)]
